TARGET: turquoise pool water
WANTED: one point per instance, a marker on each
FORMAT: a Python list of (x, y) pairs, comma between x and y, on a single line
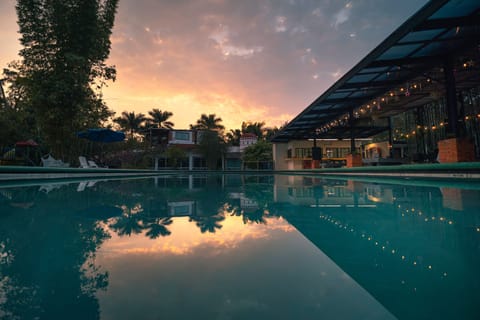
[(239, 247)]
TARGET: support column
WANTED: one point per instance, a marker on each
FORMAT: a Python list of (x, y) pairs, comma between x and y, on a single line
[(352, 132), (354, 159), (190, 161), (390, 137), (455, 148), (316, 155), (451, 98)]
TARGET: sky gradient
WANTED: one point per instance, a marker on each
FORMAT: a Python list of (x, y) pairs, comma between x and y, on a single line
[(248, 60)]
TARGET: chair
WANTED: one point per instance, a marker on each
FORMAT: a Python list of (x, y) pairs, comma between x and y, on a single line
[(84, 163), (83, 184), (92, 164), (49, 161)]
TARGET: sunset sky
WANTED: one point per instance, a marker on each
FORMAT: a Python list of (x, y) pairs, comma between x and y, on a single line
[(244, 60)]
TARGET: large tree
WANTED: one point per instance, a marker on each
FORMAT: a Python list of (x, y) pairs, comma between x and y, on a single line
[(59, 79)]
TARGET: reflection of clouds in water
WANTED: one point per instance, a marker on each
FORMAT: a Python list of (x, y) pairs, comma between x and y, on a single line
[(278, 276), (186, 238)]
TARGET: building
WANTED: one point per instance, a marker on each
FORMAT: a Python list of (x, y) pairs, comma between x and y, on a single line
[(299, 154), (161, 140), (419, 87)]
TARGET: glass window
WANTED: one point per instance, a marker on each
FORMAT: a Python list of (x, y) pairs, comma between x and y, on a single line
[(182, 135), (303, 152)]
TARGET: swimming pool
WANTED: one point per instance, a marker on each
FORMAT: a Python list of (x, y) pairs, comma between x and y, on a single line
[(239, 247)]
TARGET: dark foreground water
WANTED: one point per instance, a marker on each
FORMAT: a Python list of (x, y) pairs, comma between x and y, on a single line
[(239, 247)]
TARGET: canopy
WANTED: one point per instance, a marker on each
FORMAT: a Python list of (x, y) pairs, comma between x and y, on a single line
[(102, 135)]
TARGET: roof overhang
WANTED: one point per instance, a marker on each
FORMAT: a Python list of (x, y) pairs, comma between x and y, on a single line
[(414, 53)]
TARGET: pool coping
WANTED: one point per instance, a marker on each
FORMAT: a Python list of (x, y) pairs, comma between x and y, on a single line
[(466, 171)]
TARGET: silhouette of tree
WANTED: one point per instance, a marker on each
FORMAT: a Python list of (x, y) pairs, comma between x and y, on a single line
[(208, 122), (64, 48), (130, 122), (257, 128), (159, 119), (233, 137)]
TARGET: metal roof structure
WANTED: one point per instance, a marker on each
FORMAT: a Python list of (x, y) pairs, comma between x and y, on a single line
[(405, 71)]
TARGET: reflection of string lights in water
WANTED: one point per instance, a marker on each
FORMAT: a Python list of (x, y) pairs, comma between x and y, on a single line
[(412, 212), (383, 246)]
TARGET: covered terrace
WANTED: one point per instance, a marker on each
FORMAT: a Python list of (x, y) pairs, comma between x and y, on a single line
[(420, 86)]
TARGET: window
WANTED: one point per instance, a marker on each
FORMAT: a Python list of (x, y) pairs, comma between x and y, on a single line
[(181, 135), (303, 152)]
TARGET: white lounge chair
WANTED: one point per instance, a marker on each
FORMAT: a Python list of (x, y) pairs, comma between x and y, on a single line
[(83, 184), (49, 161), (92, 164), (84, 163)]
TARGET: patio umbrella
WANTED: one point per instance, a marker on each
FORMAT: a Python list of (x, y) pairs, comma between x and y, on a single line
[(27, 143), (102, 135)]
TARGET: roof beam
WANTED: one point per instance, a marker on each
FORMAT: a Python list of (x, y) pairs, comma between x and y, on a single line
[(404, 61), (430, 24)]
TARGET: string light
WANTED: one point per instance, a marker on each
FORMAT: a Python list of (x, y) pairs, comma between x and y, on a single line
[(406, 90)]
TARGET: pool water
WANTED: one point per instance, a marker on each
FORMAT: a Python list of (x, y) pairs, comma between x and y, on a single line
[(239, 247)]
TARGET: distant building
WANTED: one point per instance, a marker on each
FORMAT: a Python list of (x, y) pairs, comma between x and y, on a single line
[(246, 140), (161, 139)]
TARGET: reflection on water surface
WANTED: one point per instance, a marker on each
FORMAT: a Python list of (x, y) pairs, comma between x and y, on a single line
[(234, 247)]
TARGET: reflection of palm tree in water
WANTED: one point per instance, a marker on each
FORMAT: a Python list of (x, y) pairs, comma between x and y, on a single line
[(158, 228), (130, 221), (256, 216), (208, 223), (134, 220)]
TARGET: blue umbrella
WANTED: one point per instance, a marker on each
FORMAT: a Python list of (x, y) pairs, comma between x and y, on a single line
[(102, 135)]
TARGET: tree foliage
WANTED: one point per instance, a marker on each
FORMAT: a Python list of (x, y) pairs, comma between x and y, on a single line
[(257, 128), (212, 147), (175, 155), (233, 137), (260, 151), (59, 79), (159, 119), (208, 122), (130, 122)]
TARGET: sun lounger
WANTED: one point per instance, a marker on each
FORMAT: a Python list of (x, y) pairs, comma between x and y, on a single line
[(92, 164), (84, 163), (49, 161)]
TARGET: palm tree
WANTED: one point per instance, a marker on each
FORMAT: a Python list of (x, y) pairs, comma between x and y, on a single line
[(233, 137), (208, 122), (257, 128), (271, 132), (131, 122), (159, 118)]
